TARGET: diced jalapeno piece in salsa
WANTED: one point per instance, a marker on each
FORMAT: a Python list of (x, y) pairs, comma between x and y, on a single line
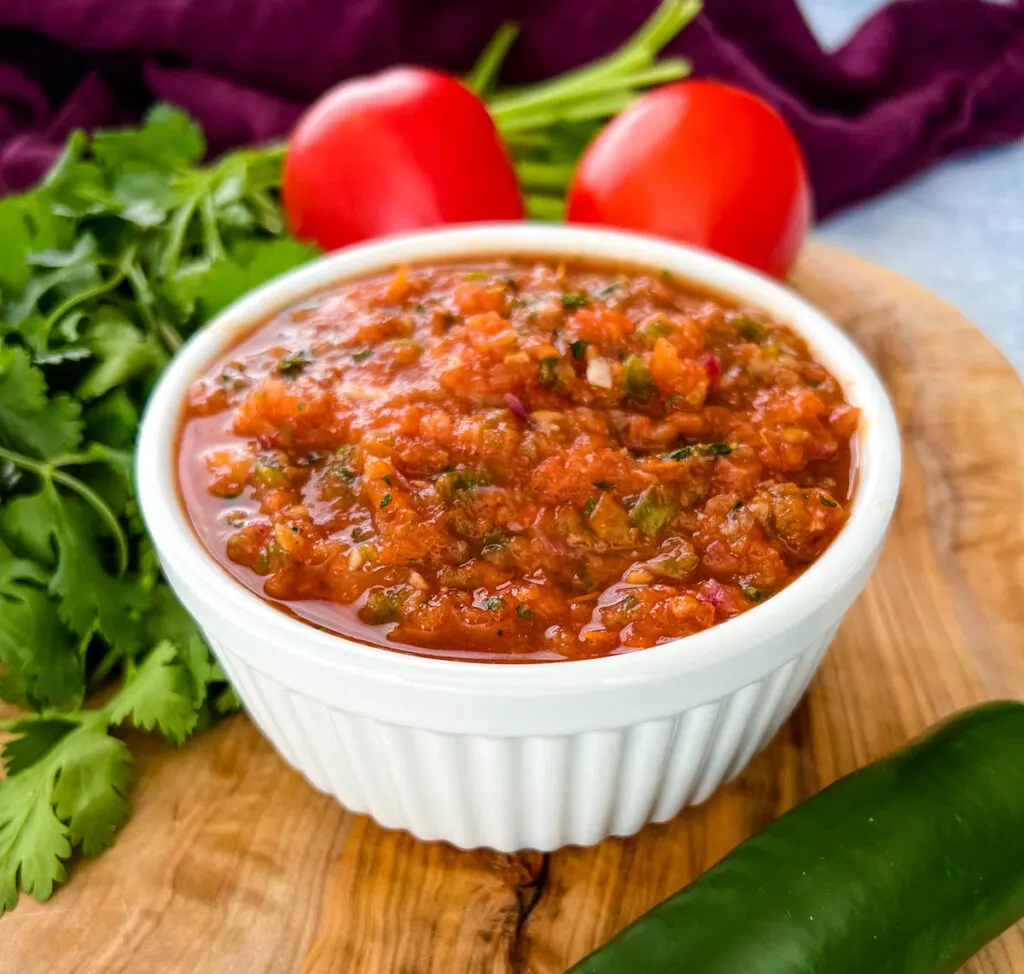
[(639, 384), (451, 483), (652, 511), (381, 606), (293, 364), (751, 329), (579, 348), (570, 301), (268, 474), (547, 374)]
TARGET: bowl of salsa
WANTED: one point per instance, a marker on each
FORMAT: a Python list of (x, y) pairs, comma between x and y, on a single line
[(516, 535)]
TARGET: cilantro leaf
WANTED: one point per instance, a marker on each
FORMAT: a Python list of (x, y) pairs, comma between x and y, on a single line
[(228, 279), (118, 462), (143, 196), (158, 695), (37, 650), (15, 242), (80, 254), (72, 791), (113, 419), (21, 752), (89, 597), (33, 841), (91, 793), (166, 620), (227, 701), (168, 139), (197, 663), (30, 421), (121, 352), (62, 274), (26, 524), (14, 570), (126, 247)]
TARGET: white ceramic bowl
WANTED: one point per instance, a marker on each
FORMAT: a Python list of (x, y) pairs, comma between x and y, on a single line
[(521, 756)]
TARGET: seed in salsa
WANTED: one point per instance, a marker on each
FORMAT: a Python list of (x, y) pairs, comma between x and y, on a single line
[(522, 460)]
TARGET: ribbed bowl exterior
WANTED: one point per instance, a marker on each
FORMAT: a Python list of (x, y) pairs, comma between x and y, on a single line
[(510, 793)]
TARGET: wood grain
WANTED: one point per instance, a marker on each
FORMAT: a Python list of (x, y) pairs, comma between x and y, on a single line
[(231, 863)]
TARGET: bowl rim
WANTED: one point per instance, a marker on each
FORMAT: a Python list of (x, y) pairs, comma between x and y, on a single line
[(878, 464)]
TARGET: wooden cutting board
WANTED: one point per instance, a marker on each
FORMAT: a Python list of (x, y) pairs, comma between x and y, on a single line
[(231, 863)]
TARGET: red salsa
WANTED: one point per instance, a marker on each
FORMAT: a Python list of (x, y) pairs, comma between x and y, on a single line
[(517, 460)]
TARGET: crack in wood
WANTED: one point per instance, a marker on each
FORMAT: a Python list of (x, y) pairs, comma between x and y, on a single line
[(528, 895)]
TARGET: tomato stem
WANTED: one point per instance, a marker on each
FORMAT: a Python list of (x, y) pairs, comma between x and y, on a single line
[(631, 66), (542, 207), (484, 74), (545, 175), (547, 125)]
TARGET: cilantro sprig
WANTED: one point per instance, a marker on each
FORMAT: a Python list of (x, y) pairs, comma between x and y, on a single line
[(127, 247)]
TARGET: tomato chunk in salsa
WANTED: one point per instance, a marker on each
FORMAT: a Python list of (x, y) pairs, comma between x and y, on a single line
[(517, 460)]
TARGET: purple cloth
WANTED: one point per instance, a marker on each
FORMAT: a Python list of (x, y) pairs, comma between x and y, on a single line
[(920, 80)]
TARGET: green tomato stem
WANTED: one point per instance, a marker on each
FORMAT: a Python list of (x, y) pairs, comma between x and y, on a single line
[(527, 139), (540, 207), (572, 85), (547, 111), (633, 59), (665, 23), (598, 108), (545, 175), (484, 74)]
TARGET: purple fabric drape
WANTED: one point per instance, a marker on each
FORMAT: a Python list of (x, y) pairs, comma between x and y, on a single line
[(918, 81)]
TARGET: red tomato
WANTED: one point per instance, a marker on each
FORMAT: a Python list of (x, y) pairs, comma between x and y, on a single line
[(403, 149), (703, 163)]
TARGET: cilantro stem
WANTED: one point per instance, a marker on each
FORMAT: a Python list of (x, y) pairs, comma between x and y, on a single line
[(81, 297), (76, 718), (169, 335), (37, 467), (99, 505), (110, 659), (214, 245), (269, 213), (51, 475), (80, 459), (163, 329), (176, 238), (143, 296)]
